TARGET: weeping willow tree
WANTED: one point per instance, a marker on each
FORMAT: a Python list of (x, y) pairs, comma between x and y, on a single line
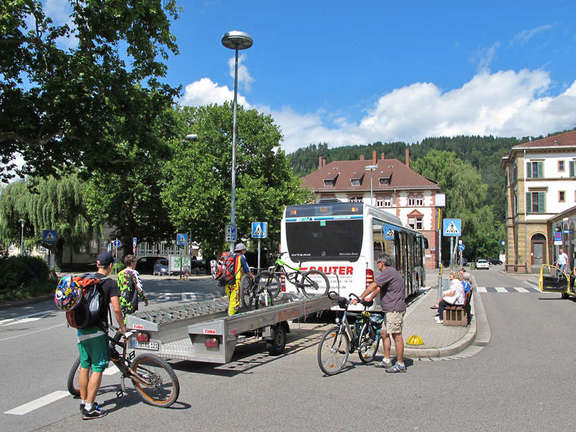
[(45, 204)]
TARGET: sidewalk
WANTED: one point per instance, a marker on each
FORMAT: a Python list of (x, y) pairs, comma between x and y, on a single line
[(440, 340)]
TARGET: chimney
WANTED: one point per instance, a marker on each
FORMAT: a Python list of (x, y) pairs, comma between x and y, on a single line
[(407, 162), (374, 157), (382, 156), (319, 162), (362, 157)]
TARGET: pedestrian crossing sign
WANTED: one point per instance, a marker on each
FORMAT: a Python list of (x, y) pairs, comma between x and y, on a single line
[(452, 227), (259, 229), (49, 236)]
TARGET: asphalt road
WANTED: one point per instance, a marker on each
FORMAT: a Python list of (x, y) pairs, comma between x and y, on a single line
[(521, 381)]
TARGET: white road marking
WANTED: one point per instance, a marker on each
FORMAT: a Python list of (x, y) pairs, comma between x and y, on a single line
[(22, 321), (481, 289), (521, 290), (32, 332), (38, 403), (501, 289)]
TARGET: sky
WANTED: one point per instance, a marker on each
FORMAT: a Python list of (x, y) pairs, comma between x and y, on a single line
[(346, 73)]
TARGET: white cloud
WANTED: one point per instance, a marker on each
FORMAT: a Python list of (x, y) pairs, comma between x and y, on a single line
[(525, 35), (484, 57), (504, 103), (60, 11), (244, 78)]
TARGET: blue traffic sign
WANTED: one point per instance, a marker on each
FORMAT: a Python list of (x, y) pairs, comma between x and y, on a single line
[(461, 247), (134, 241), (49, 236), (117, 243), (231, 233), (259, 229), (181, 239), (452, 227)]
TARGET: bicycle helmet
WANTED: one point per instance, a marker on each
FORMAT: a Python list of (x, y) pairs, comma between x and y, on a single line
[(68, 294)]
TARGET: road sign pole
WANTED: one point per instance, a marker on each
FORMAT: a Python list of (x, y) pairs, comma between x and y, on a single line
[(451, 253), (258, 256)]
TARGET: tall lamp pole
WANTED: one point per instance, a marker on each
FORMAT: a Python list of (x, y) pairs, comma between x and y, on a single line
[(235, 40), (21, 236), (371, 168)]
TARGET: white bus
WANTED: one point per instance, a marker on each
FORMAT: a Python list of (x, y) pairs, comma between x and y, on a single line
[(344, 240)]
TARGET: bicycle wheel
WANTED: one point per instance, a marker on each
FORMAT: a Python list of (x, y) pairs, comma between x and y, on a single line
[(270, 282), (333, 351), (72, 383), (314, 283), (247, 294), (368, 343), (156, 382)]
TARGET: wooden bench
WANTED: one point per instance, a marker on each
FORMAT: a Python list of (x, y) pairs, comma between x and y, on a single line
[(458, 315)]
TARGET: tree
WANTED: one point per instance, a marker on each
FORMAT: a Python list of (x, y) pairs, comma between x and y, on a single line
[(64, 106), (56, 204), (198, 187), (466, 199)]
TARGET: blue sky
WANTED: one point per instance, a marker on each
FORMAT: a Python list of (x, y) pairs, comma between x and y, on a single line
[(347, 72)]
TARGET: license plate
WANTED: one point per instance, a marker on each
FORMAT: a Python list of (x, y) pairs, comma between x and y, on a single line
[(152, 346)]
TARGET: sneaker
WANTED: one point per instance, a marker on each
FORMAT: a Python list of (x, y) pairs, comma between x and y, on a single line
[(384, 364), (81, 408), (396, 369), (438, 320), (94, 413)]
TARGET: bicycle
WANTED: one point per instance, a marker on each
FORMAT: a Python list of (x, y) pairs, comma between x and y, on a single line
[(254, 292), (153, 377), (311, 282), (343, 339)]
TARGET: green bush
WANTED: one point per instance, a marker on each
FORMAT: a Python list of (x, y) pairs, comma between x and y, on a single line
[(24, 276)]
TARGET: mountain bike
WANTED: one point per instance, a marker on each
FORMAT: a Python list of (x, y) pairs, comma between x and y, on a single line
[(153, 377), (309, 282), (343, 339), (257, 291)]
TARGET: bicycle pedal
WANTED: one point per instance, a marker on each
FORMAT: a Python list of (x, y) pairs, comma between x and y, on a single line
[(120, 394)]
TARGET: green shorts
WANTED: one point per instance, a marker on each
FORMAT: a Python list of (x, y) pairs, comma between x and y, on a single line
[(94, 353)]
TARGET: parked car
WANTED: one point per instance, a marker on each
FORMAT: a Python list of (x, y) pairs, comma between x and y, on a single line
[(152, 265), (494, 261), (482, 264)]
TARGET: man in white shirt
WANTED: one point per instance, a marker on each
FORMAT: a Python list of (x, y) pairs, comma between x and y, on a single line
[(562, 260)]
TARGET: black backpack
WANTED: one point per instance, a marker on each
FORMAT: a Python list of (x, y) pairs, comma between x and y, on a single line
[(91, 311)]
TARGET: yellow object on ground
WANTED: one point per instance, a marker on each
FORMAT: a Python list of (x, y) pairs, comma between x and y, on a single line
[(415, 340)]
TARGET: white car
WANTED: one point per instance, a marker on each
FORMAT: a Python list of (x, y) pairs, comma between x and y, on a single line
[(482, 264)]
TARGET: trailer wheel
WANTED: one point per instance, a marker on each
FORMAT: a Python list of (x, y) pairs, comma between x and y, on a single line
[(276, 345)]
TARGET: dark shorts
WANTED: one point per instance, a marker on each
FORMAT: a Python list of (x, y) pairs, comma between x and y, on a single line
[(94, 353)]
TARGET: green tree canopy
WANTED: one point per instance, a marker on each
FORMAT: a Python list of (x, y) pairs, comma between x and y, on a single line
[(71, 106), (198, 186)]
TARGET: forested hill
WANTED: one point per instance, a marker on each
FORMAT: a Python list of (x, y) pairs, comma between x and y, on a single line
[(484, 153)]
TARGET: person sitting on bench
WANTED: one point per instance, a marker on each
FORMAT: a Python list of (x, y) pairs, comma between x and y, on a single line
[(454, 296)]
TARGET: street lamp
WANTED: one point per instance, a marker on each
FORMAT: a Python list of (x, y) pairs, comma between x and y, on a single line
[(235, 40), (371, 168), (21, 236)]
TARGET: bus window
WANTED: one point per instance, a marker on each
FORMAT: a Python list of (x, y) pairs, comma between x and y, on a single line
[(324, 240)]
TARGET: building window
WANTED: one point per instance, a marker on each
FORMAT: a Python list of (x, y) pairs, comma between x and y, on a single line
[(535, 169), (379, 201), (329, 182), (387, 201), (355, 181), (536, 202), (415, 201), (561, 166), (415, 222), (355, 199), (384, 180), (561, 196), (571, 167)]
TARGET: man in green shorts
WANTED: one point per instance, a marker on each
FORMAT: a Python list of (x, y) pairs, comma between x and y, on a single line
[(92, 342)]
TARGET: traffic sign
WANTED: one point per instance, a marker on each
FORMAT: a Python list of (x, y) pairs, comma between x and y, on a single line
[(230, 233), (49, 236), (134, 241), (452, 227), (117, 243), (181, 239), (259, 229), (461, 247), (557, 239)]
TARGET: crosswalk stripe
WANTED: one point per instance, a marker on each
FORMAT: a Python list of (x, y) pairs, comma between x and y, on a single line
[(38, 403), (481, 289), (501, 289), (521, 290)]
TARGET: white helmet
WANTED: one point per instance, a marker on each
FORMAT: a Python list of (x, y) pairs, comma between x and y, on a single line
[(240, 247)]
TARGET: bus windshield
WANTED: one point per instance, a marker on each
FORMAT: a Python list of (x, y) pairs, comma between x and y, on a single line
[(324, 240)]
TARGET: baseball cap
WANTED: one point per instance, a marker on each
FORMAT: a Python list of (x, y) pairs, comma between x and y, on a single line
[(239, 247), (104, 259)]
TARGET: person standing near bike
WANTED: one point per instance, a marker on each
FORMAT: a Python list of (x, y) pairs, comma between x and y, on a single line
[(130, 287), (241, 267), (389, 283), (92, 344)]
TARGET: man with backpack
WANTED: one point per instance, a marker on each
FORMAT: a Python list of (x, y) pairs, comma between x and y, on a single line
[(130, 287), (240, 268), (92, 343)]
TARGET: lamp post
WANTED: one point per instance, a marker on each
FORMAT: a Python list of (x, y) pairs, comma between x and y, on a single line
[(21, 236), (235, 40), (371, 168)]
